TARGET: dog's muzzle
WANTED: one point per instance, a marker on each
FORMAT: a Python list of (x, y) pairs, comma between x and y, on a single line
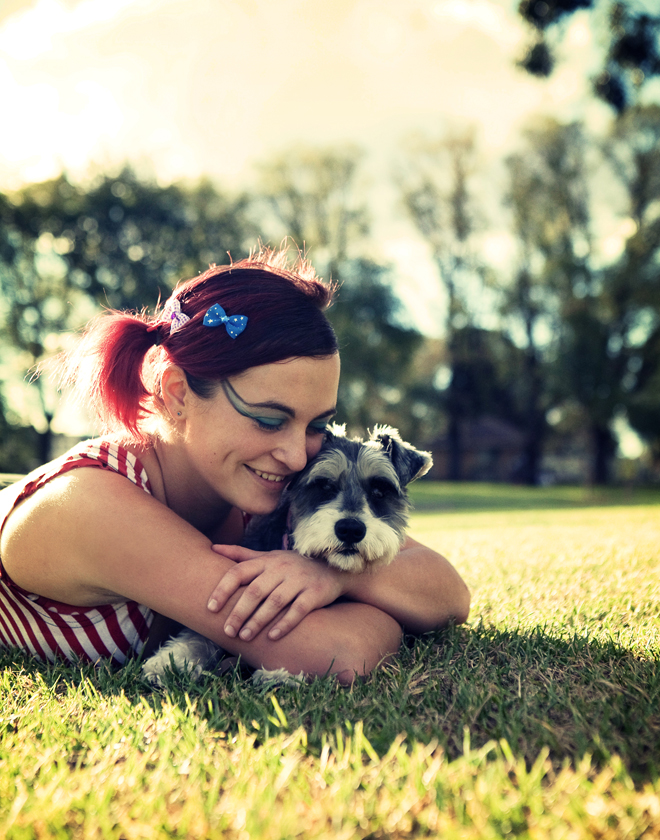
[(350, 530)]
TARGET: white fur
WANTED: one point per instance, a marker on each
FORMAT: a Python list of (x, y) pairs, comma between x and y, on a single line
[(188, 652), (331, 464), (315, 537), (279, 676), (191, 653)]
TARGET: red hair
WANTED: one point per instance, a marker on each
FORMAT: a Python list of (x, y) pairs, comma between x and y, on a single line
[(116, 365)]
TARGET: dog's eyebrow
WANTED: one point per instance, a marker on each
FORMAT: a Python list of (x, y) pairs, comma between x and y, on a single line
[(285, 409)]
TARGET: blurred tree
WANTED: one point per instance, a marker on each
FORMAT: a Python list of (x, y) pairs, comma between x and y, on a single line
[(434, 180), (596, 325), (556, 294), (377, 351), (127, 240), (549, 203), (631, 285), (313, 195), (631, 55), (37, 305), (122, 242), (19, 445)]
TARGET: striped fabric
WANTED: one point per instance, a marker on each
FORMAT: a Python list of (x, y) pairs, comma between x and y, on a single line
[(50, 629)]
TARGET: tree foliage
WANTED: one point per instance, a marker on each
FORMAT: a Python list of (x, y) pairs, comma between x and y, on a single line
[(578, 333), (377, 350), (315, 196), (121, 242), (631, 55), (601, 319), (434, 178)]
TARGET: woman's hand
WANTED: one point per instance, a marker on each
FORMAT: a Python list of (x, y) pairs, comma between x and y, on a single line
[(277, 583)]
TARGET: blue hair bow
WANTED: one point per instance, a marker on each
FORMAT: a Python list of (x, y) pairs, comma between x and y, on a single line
[(216, 315)]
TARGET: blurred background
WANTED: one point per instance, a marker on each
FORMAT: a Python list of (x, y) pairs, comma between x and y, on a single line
[(481, 176)]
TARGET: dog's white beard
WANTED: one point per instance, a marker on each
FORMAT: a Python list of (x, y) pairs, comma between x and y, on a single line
[(316, 537)]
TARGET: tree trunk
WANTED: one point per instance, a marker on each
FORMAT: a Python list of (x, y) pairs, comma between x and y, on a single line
[(454, 448), (603, 449), (535, 418), (532, 455), (45, 442)]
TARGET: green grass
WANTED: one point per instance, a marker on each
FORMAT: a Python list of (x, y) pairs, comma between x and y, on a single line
[(539, 719), (448, 496)]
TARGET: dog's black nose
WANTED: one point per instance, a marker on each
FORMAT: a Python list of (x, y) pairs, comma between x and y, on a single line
[(350, 530)]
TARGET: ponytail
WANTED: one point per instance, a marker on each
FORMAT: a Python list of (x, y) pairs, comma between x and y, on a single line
[(105, 370)]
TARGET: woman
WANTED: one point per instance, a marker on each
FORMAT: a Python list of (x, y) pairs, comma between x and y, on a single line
[(208, 409)]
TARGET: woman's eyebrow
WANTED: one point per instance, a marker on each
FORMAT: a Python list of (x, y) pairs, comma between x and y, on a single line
[(285, 409)]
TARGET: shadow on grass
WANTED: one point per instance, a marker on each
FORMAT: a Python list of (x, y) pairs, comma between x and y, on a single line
[(574, 696), (454, 497)]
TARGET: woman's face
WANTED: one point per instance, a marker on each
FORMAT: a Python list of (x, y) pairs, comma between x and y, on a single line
[(260, 428)]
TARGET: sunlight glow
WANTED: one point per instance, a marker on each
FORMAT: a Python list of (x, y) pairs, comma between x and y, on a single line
[(33, 32), (612, 246), (479, 14)]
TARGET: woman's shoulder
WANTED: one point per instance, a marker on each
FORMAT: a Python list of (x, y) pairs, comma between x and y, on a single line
[(111, 454), (104, 453)]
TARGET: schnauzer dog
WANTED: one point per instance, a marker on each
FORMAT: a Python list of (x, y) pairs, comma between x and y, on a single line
[(348, 507)]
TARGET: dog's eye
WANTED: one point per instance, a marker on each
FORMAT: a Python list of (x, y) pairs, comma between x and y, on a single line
[(379, 488), (325, 488)]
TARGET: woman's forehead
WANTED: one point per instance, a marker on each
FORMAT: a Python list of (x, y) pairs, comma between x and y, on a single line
[(292, 381)]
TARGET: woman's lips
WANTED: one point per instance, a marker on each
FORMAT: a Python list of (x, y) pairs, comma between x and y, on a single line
[(271, 478)]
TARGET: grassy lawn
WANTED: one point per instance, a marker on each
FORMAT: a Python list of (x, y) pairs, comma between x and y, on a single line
[(539, 719)]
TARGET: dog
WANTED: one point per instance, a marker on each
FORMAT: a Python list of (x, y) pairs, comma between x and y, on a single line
[(349, 508)]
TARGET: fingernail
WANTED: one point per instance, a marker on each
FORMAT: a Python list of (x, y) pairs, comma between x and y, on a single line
[(275, 633), (212, 605), (229, 630), (246, 634)]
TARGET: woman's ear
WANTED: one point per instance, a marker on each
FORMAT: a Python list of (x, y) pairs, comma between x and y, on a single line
[(174, 391)]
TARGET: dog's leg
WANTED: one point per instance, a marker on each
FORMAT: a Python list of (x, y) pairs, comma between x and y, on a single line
[(188, 652), (279, 676)]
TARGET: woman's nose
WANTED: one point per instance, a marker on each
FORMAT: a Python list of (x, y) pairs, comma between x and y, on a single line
[(293, 452)]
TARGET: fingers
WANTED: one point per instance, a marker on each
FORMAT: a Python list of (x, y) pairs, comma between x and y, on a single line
[(279, 588), (259, 604), (237, 553), (239, 575), (301, 607)]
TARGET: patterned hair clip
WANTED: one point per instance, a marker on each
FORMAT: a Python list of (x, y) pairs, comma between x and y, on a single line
[(172, 313), (216, 315)]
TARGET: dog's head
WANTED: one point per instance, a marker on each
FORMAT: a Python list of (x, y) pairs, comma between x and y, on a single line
[(349, 506)]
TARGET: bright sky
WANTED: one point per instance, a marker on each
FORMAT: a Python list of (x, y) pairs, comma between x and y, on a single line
[(214, 85), (190, 87)]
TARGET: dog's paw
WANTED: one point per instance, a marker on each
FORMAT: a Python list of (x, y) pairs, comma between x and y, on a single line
[(187, 653), (279, 676)]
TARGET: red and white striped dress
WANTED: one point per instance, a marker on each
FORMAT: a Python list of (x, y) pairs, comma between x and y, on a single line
[(50, 629)]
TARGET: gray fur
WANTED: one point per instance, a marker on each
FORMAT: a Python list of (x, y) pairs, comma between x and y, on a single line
[(351, 485)]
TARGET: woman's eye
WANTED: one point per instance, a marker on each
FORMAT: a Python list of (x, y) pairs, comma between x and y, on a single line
[(269, 423), (317, 428)]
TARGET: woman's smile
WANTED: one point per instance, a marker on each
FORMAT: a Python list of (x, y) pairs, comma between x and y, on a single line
[(271, 478)]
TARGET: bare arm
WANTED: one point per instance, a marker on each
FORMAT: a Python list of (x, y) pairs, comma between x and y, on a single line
[(420, 590), (91, 537)]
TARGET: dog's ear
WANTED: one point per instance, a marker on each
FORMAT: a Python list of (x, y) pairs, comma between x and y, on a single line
[(335, 430), (409, 463)]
